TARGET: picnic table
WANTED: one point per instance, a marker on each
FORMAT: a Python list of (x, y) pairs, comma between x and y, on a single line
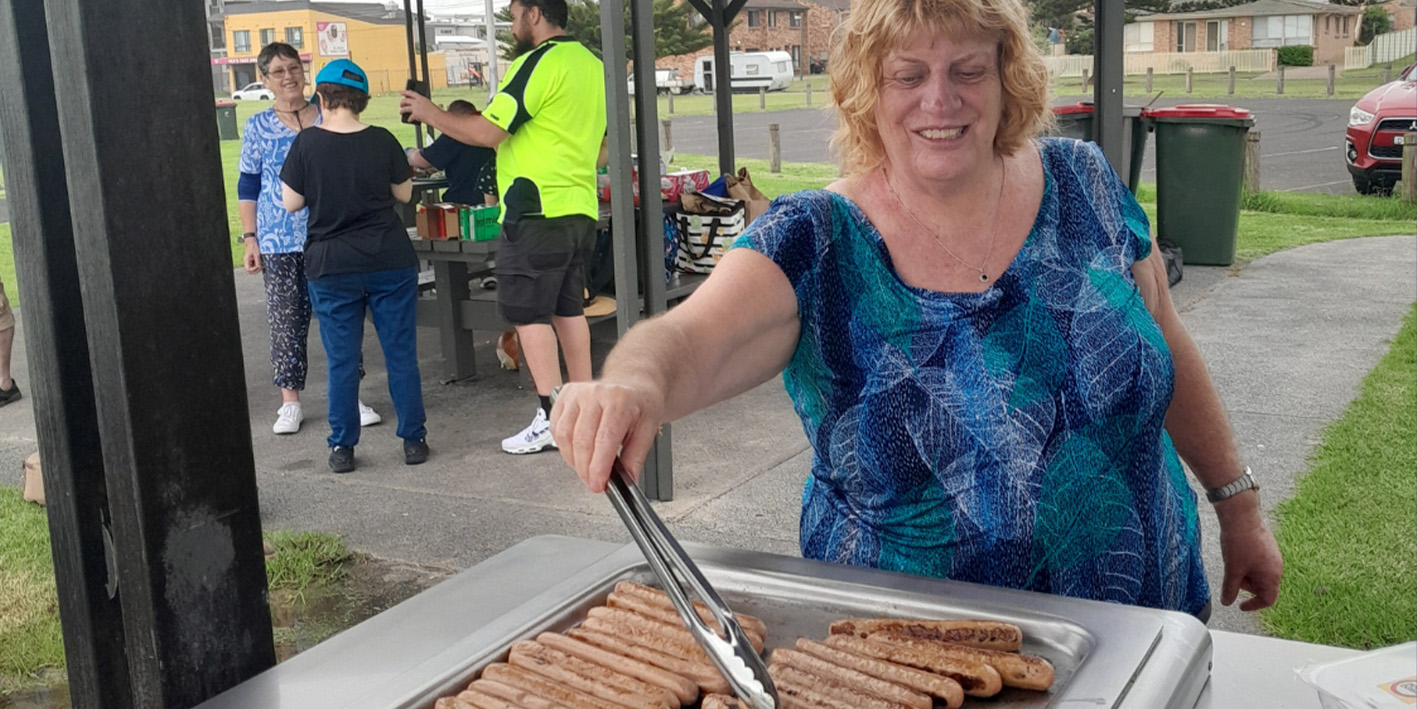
[(457, 309)]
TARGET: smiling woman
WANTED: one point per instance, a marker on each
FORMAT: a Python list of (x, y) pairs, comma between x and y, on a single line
[(975, 329)]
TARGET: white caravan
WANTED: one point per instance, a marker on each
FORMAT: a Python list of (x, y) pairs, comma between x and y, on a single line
[(751, 71)]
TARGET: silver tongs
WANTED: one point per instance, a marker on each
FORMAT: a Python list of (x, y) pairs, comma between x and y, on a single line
[(733, 654)]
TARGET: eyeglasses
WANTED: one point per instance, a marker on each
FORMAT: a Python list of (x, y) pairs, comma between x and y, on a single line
[(282, 72)]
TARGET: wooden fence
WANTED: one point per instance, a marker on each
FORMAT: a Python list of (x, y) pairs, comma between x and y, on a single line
[(1384, 48), (1135, 63)]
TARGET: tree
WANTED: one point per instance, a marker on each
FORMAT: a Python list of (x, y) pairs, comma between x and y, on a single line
[(1056, 13), (678, 28), (1079, 40), (1375, 22)]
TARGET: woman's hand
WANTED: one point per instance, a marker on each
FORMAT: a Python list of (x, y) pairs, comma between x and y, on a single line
[(252, 259), (1252, 559), (593, 422)]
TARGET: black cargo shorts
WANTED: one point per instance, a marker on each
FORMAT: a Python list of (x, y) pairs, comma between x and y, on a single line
[(541, 268)]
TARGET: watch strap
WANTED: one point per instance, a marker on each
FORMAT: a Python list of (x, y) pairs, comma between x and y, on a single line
[(1246, 481)]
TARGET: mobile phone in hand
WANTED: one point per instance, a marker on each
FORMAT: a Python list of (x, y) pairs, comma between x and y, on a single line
[(418, 87)]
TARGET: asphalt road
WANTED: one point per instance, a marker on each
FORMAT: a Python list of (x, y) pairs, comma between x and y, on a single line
[(1300, 145)]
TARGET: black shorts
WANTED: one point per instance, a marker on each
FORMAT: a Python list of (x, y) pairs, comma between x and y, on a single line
[(541, 268)]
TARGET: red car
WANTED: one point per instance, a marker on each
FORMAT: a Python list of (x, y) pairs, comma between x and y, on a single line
[(1376, 125)]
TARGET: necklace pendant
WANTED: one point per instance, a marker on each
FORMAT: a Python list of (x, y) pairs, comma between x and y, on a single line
[(983, 277)]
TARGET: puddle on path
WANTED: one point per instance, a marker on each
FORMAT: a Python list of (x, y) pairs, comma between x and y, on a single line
[(298, 623)]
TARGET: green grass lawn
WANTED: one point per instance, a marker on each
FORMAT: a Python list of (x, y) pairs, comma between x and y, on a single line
[(1349, 85), (31, 644), (1350, 555)]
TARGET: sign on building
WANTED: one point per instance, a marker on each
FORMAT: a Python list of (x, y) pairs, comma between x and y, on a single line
[(334, 39)]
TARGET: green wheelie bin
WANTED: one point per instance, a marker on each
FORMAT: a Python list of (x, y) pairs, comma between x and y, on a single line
[(1200, 159), (226, 120), (1075, 121)]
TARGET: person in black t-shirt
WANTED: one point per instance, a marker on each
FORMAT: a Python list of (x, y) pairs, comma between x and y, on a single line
[(471, 170), (357, 255)]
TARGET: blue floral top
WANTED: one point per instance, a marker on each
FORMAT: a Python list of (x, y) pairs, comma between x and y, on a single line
[(1011, 437), (264, 146)]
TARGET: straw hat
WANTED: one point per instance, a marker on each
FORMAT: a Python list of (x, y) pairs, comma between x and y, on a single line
[(602, 305)]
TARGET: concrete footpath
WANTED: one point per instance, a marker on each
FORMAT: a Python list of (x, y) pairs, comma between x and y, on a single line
[(1288, 339)]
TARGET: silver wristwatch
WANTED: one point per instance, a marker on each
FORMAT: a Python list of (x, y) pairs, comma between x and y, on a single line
[(1246, 481)]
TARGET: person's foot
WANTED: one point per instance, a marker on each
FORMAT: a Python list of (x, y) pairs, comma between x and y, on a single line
[(415, 452), (533, 439), (11, 395), (288, 418), (368, 416), (341, 459)]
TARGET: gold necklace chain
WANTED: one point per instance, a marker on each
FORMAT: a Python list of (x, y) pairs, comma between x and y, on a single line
[(993, 234)]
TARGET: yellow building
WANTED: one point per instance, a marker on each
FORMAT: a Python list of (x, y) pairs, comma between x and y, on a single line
[(375, 38)]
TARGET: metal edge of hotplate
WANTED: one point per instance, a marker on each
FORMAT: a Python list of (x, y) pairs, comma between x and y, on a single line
[(1136, 639)]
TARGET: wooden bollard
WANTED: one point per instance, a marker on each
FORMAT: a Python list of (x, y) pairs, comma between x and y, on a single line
[(1387, 72), (1331, 74), (671, 102), (668, 133), (1409, 167), (762, 97), (774, 149), (1279, 81), (1188, 79), (1230, 89), (809, 93), (1252, 162), (1086, 78), (1148, 79)]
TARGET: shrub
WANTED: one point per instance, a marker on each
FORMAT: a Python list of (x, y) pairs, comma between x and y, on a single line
[(1297, 55), (1375, 22)]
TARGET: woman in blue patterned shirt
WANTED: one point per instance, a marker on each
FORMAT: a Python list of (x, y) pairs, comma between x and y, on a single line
[(975, 329)]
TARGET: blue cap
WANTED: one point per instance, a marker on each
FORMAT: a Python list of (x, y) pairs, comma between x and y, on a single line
[(344, 72)]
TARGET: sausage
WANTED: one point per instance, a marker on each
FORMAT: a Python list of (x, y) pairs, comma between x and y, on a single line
[(541, 686), (976, 678), (702, 673), (479, 700), (664, 637), (660, 599), (721, 701), (987, 634), (671, 616), (451, 703), (590, 678), (518, 697), (814, 690), (836, 675), (683, 689), (1022, 671), (937, 686)]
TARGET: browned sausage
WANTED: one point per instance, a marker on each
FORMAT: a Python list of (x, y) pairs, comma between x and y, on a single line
[(519, 697), (660, 599), (721, 701), (451, 703), (543, 687), (798, 683), (987, 634), (670, 616), (479, 700), (684, 689), (702, 673), (977, 678), (836, 675), (937, 686), (590, 678), (1022, 671), (664, 637)]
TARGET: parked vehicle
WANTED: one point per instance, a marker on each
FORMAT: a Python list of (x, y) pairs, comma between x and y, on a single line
[(1376, 126), (665, 81), (253, 92), (751, 71)]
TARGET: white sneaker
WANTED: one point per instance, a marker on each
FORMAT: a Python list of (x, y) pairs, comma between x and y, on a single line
[(288, 418), (533, 439), (368, 416)]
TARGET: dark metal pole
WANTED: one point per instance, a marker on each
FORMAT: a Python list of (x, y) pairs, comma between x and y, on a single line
[(723, 86), (61, 381), (657, 482), (423, 52), (1107, 70), (412, 62), (165, 345), (622, 206)]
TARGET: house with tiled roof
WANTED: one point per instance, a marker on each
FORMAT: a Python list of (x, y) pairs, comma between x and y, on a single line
[(1326, 27)]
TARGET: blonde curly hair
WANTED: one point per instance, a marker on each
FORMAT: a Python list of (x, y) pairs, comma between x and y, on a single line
[(876, 26)]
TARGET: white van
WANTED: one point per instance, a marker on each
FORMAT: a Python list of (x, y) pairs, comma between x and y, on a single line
[(666, 81), (751, 71)]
